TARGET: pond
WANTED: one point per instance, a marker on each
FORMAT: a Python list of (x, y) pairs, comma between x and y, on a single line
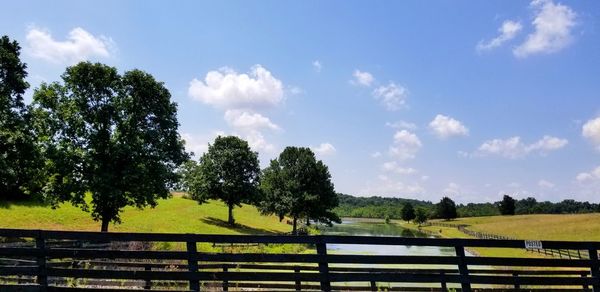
[(368, 227)]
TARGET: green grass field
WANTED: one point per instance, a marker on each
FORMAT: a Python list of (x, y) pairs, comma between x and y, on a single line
[(575, 227), (177, 215)]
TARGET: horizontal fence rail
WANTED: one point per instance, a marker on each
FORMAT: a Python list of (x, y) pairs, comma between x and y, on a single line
[(40, 260)]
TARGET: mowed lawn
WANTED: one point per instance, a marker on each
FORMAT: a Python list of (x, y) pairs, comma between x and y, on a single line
[(575, 227), (177, 215)]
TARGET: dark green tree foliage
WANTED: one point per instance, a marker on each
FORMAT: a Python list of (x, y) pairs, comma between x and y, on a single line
[(297, 185), (110, 135), (420, 216), (228, 171), (20, 162), (375, 206), (507, 205), (408, 212), (446, 209)]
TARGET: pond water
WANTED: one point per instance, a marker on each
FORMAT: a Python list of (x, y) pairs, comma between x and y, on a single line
[(365, 227)]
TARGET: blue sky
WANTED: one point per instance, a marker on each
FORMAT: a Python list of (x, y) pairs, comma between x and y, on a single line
[(471, 99)]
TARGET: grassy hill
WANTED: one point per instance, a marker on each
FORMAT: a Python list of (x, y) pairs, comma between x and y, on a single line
[(176, 215), (578, 227)]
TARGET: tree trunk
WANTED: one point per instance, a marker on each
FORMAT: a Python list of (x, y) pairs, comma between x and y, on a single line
[(294, 228), (307, 221), (231, 221), (105, 222)]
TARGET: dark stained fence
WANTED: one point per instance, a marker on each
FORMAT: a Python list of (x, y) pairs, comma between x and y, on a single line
[(34, 260)]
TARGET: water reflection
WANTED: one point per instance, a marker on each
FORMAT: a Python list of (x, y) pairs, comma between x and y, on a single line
[(378, 228)]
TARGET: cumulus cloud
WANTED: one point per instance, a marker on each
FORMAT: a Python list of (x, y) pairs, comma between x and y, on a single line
[(542, 183), (553, 25), (445, 127), (386, 186), (362, 78), (324, 149), (226, 89), (405, 146), (591, 131), (198, 144), (376, 154), (402, 125), (393, 96), (80, 45), (514, 148), (317, 65), (244, 120), (593, 175), (394, 167), (452, 189), (508, 30)]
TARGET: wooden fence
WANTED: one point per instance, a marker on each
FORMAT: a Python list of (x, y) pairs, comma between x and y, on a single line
[(36, 260), (559, 253)]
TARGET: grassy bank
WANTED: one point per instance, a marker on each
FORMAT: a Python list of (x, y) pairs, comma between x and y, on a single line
[(177, 215)]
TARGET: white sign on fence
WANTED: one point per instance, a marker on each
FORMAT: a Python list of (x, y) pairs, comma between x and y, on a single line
[(533, 244)]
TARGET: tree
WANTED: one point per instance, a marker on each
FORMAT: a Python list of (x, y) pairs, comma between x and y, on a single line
[(110, 136), (446, 209), (20, 161), (408, 212), (420, 216), (228, 171), (297, 185), (507, 205)]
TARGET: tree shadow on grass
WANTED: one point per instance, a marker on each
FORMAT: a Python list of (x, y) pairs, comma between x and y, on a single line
[(243, 229), (23, 203)]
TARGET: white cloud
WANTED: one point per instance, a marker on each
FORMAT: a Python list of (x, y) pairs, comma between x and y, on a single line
[(385, 186), (324, 149), (393, 96), (545, 184), (376, 154), (362, 78), (508, 31), (402, 125), (405, 146), (80, 45), (257, 141), (225, 88), (317, 65), (513, 148), (593, 175), (591, 131), (452, 189), (244, 120), (198, 144), (445, 127), (393, 166), (553, 25)]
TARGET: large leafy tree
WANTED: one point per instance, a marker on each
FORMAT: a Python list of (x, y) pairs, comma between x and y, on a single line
[(446, 209), (507, 205), (408, 212), (114, 137), (20, 162), (229, 171), (297, 185)]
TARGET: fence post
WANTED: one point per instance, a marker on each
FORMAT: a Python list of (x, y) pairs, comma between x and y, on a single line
[(443, 284), (225, 282), (148, 283), (193, 264), (373, 286), (323, 265), (42, 278), (298, 283), (585, 286), (595, 266), (516, 277), (465, 283)]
